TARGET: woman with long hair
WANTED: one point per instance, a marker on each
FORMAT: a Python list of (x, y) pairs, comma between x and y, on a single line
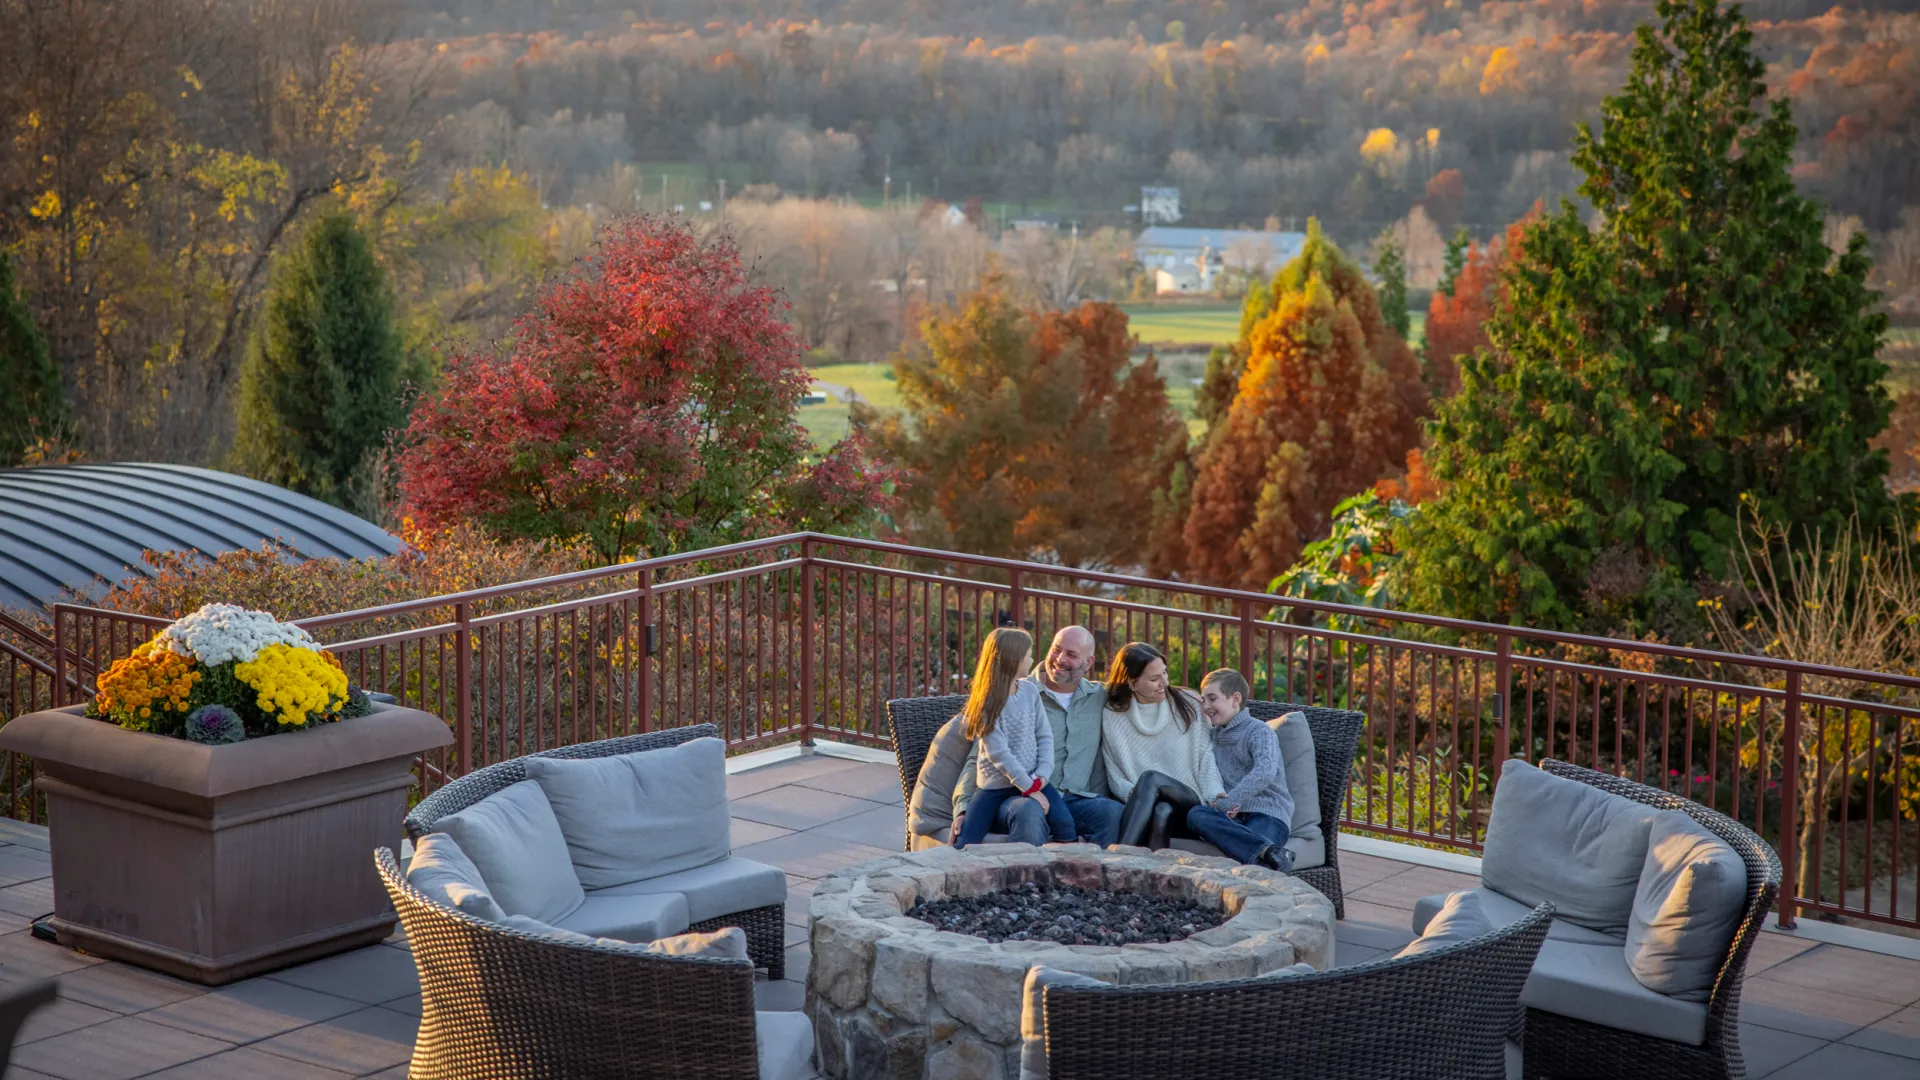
[(1005, 720), (1158, 752)]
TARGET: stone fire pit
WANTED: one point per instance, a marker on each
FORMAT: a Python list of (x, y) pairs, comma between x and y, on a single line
[(892, 996)]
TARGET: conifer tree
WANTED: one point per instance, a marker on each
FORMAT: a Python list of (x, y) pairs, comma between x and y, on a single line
[(321, 386), (31, 405), (1454, 260), (1390, 269), (1698, 346)]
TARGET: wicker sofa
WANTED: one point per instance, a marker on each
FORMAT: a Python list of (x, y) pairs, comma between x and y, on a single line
[(703, 888), (497, 1003), (916, 723), (1586, 1012), (1444, 1015)]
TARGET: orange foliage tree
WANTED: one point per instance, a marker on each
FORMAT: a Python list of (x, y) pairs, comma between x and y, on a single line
[(1456, 324), (1029, 433), (1329, 402)]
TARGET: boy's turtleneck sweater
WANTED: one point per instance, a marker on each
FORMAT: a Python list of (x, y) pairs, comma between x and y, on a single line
[(1248, 755)]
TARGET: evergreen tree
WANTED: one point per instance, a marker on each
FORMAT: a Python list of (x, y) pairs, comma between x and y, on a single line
[(1699, 346), (321, 386), (31, 405), (1455, 259), (1390, 269)]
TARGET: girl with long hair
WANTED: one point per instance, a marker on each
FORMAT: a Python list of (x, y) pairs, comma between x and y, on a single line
[(1158, 753), (1005, 720)]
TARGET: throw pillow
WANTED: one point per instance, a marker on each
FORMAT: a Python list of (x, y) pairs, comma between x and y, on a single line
[(932, 806), (1691, 897), (1461, 918), (1551, 839), (516, 844), (1033, 1017), (632, 817), (440, 870), (1303, 777)]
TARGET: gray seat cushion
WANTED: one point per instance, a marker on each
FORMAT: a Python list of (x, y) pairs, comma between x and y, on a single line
[(1460, 919), (444, 873), (628, 918), (932, 807), (1505, 911), (943, 836), (1593, 983), (1033, 1019), (727, 944), (1692, 895), (1306, 853), (784, 1041), (1303, 783), (515, 842), (636, 816), (719, 888), (1559, 840)]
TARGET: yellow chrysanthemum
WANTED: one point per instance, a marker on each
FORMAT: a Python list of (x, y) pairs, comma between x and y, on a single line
[(293, 684)]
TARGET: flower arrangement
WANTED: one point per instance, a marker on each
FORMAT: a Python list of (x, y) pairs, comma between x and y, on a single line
[(227, 673)]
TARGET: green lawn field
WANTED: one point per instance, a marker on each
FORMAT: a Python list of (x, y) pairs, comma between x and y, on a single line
[(1193, 324), (874, 382)]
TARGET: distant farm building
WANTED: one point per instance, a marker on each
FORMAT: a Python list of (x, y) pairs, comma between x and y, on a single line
[(1168, 247)]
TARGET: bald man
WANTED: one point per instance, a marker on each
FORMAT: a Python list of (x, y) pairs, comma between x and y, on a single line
[(1074, 704)]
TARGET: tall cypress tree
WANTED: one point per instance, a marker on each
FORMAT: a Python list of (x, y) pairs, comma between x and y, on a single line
[(1698, 347), (1390, 269), (1455, 259), (321, 386), (31, 405)]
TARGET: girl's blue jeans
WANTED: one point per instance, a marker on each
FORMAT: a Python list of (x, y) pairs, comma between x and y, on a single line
[(984, 809)]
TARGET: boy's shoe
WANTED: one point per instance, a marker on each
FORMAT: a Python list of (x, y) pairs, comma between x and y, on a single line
[(1275, 857)]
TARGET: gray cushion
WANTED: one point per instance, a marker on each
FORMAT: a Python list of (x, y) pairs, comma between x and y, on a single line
[(1505, 911), (719, 888), (727, 944), (1692, 895), (1033, 1019), (785, 1044), (628, 918), (636, 816), (1592, 983), (1306, 853), (1460, 919), (932, 806), (1303, 782), (443, 872), (515, 842), (1289, 971), (1559, 840)]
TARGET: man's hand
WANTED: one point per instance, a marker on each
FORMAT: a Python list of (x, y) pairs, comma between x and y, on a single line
[(953, 837), (1041, 798)]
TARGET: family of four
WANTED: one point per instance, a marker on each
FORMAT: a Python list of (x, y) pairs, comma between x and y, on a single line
[(1057, 756)]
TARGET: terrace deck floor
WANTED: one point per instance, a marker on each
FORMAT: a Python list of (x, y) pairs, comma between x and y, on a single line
[(1809, 1010)]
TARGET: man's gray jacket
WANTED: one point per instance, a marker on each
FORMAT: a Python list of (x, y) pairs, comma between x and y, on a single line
[(1077, 765)]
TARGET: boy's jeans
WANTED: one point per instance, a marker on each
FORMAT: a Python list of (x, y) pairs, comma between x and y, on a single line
[(985, 808), (1241, 838)]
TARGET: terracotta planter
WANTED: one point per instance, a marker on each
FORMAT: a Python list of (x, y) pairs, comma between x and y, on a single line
[(215, 863)]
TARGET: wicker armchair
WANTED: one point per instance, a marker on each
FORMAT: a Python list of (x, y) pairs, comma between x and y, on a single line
[(765, 926), (1562, 1046), (1443, 1015), (16, 1005), (498, 1004), (915, 721)]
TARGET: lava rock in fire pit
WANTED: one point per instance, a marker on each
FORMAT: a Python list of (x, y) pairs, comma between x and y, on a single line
[(1068, 915)]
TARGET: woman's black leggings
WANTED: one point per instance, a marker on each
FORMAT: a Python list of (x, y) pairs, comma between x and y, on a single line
[(1153, 787)]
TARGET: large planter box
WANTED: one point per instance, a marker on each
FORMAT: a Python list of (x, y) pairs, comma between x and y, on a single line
[(215, 863)]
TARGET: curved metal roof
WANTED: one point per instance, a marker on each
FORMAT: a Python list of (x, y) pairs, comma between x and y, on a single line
[(81, 527)]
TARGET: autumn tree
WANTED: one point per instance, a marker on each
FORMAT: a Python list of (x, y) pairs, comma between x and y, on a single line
[(1697, 347), (1457, 317), (31, 405), (321, 387), (1030, 433), (645, 405)]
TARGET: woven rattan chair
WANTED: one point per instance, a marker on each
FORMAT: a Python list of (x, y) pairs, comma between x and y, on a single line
[(765, 926), (498, 1004), (1561, 1046), (16, 1005), (1336, 733), (1443, 1015)]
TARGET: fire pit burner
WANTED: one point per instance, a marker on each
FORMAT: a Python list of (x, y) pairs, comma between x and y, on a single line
[(1068, 915)]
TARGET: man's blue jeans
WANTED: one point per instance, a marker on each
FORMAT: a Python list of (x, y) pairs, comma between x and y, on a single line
[(1095, 818), (1241, 838)]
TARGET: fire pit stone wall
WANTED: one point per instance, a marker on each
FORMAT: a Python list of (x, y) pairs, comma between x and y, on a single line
[(892, 996)]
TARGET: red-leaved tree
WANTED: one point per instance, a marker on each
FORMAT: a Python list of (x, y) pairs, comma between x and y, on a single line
[(1456, 324), (645, 406)]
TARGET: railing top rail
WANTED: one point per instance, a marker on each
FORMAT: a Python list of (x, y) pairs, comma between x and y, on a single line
[(1103, 577)]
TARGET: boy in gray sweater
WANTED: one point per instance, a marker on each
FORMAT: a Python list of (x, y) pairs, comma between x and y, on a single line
[(1250, 822)]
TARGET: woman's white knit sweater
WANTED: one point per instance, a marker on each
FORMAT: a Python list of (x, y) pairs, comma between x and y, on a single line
[(1148, 738)]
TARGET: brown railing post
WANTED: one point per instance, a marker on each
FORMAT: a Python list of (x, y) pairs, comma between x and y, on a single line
[(1502, 695), (1016, 597), (1790, 803), (59, 697), (462, 687), (646, 648), (806, 643), (1247, 665)]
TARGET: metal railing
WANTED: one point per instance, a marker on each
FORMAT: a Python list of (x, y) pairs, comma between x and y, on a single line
[(808, 635)]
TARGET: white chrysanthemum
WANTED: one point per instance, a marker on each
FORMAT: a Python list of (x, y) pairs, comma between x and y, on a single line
[(218, 633)]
